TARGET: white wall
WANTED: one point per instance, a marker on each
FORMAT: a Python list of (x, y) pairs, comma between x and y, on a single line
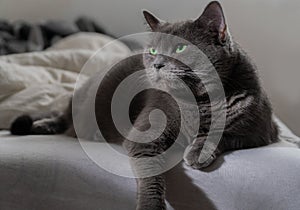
[(268, 29)]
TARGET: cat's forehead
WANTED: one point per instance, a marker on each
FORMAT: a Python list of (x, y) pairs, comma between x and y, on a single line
[(174, 28), (172, 33)]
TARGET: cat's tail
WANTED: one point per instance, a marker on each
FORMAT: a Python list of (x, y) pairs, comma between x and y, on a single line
[(52, 123)]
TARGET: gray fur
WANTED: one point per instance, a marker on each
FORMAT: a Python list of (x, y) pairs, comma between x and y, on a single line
[(249, 116)]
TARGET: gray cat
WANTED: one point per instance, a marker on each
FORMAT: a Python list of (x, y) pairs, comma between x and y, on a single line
[(248, 124)]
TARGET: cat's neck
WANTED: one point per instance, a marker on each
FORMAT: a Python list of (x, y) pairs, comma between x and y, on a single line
[(243, 74), (242, 78)]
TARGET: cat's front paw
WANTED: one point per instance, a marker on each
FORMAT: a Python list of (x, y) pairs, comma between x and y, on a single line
[(197, 157)]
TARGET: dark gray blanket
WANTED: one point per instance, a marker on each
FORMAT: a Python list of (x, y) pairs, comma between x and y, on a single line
[(20, 36)]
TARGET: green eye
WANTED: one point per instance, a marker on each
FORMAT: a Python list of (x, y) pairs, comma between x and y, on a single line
[(153, 51), (181, 48)]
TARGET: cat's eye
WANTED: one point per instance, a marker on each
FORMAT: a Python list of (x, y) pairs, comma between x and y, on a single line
[(153, 51), (180, 48)]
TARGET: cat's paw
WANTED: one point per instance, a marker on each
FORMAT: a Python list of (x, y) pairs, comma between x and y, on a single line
[(198, 158), (40, 128), (44, 126)]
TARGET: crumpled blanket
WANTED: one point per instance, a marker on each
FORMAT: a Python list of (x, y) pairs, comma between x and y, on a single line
[(21, 36), (38, 82)]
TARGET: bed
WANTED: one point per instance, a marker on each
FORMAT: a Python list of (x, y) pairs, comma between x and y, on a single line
[(54, 172)]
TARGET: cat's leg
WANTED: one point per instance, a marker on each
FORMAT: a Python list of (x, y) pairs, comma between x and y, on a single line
[(151, 193), (147, 151), (151, 190), (197, 156), (146, 164)]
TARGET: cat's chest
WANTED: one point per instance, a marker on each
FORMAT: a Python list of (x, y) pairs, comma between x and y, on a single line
[(193, 120)]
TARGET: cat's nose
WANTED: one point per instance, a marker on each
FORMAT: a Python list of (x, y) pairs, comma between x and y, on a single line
[(158, 66)]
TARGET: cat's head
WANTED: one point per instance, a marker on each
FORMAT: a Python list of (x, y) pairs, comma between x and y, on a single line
[(209, 33)]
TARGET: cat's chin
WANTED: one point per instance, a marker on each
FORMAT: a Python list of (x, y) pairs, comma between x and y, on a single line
[(160, 84)]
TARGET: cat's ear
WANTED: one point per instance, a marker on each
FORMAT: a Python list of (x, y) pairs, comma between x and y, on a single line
[(152, 21), (213, 17)]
